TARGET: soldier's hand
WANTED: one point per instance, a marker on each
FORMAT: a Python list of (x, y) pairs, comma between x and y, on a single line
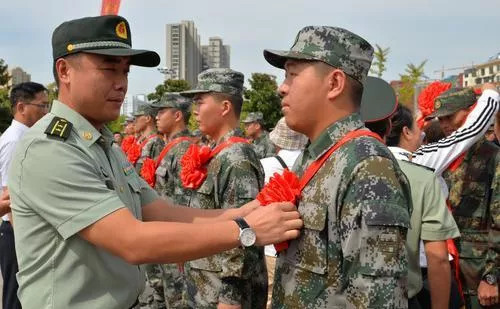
[(226, 306), (246, 209), (275, 223), (4, 202), (487, 293)]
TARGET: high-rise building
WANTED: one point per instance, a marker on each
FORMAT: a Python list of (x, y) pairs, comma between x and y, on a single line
[(18, 76), (132, 103), (215, 54), (183, 51)]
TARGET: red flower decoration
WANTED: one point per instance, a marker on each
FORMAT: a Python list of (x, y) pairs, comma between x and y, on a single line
[(148, 171), (428, 96), (193, 170), (133, 153), (127, 143), (280, 188)]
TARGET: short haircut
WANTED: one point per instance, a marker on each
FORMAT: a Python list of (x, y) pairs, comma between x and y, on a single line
[(236, 101), (186, 114), (401, 118), (354, 87), (25, 92)]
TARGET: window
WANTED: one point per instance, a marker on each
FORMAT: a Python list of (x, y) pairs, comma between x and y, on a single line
[(482, 72), (465, 84)]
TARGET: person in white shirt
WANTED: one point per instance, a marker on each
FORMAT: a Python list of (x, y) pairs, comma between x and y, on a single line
[(29, 103), (289, 145)]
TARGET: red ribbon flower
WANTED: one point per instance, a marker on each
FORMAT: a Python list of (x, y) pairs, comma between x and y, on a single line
[(127, 143), (193, 170), (133, 153), (280, 188), (427, 97), (148, 171)]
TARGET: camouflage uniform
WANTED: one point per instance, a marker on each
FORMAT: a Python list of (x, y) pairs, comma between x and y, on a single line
[(474, 198), (351, 251), (237, 276), (168, 185), (151, 150), (263, 146)]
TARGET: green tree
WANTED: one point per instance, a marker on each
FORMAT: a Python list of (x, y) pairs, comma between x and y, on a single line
[(117, 124), (169, 85), (413, 75), (4, 74), (52, 91), (378, 66), (263, 97)]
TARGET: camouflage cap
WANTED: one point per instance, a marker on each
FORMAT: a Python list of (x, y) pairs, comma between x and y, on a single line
[(453, 100), (337, 47), (173, 100), (379, 100), (104, 35), (146, 110), (253, 117), (218, 80)]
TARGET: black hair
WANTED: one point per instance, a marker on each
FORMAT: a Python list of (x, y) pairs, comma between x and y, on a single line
[(380, 127), (400, 119), (236, 101), (433, 132), (356, 89), (25, 92)]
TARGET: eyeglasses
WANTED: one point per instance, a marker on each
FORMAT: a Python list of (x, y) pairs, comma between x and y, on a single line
[(42, 106)]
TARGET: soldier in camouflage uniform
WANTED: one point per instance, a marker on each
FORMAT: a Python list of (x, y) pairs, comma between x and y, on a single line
[(171, 120), (473, 190), (152, 298), (237, 277), (145, 126), (351, 252), (260, 138)]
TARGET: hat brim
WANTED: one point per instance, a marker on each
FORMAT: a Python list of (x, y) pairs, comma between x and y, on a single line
[(139, 57), (277, 58), (378, 101), (441, 113), (193, 92)]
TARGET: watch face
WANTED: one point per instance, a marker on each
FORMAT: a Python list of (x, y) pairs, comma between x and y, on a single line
[(490, 279), (247, 237)]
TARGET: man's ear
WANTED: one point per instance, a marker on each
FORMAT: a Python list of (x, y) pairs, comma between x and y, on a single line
[(337, 82), (226, 107), (63, 69)]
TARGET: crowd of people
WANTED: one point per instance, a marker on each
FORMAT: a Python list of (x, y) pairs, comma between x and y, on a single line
[(350, 201)]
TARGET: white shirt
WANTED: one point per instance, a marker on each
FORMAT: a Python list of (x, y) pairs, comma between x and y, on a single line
[(271, 165), (8, 142)]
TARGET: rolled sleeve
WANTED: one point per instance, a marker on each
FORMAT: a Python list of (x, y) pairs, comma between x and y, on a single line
[(69, 192)]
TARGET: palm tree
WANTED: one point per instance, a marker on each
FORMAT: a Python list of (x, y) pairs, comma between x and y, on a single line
[(378, 66)]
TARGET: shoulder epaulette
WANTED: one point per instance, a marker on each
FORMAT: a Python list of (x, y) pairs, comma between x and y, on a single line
[(59, 127), (419, 165)]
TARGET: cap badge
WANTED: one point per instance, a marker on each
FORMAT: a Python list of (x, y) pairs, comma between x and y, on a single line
[(121, 30)]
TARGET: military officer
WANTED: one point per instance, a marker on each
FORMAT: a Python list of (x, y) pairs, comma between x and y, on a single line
[(85, 219), (355, 206), (149, 141)]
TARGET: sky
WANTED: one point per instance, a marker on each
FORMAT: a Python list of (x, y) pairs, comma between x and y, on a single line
[(445, 32)]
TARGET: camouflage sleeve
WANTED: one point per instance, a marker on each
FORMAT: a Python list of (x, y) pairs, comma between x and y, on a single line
[(374, 219), (151, 150), (241, 186), (493, 255)]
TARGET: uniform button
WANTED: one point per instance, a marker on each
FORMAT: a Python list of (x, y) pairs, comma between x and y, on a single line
[(87, 135), (121, 189)]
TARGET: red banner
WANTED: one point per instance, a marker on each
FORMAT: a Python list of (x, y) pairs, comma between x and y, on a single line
[(110, 7)]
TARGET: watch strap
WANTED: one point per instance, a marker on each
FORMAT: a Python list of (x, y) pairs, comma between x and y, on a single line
[(241, 223)]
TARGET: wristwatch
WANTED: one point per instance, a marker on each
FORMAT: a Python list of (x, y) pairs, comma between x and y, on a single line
[(247, 235), (491, 279)]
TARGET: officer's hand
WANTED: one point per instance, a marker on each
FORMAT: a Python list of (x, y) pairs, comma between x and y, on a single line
[(226, 306), (246, 209), (488, 86), (275, 223), (4, 202), (487, 294)]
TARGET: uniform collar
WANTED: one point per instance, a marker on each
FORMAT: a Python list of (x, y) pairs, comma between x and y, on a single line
[(184, 132), (86, 131), (333, 134), (231, 133)]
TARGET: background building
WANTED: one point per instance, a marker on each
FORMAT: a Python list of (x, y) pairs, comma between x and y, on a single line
[(488, 72), (18, 75), (215, 54), (183, 51), (132, 103)]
